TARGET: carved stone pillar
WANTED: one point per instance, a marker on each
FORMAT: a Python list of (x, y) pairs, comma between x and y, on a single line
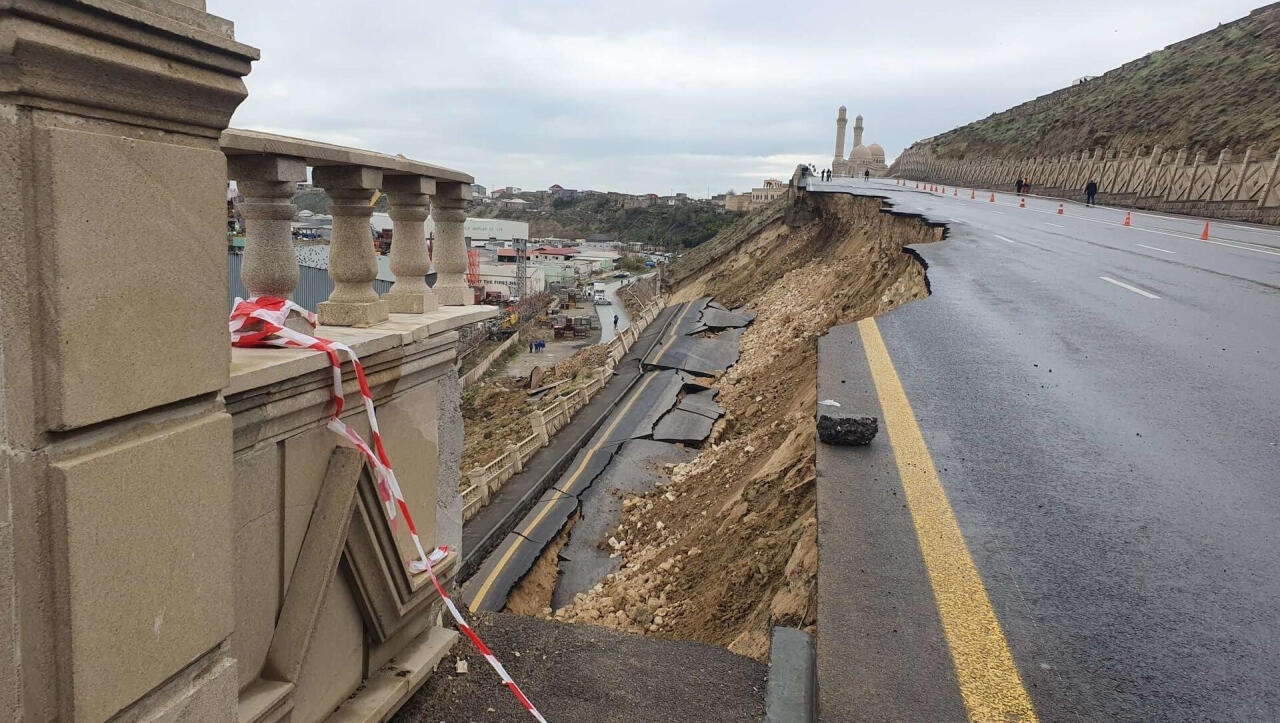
[(410, 202), (268, 183), (449, 211), (352, 263)]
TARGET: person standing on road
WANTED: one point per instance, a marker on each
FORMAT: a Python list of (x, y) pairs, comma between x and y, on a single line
[(615, 322), (1018, 185), (866, 176), (1090, 192)]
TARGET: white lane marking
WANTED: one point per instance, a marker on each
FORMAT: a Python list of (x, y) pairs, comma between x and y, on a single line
[(1057, 225), (998, 213), (1153, 248), (1002, 238), (1134, 289)]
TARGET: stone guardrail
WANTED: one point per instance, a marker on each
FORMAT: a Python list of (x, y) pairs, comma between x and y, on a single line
[(1163, 180), (485, 481), (473, 375)]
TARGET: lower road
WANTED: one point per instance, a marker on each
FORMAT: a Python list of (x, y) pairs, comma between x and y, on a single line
[(1097, 408)]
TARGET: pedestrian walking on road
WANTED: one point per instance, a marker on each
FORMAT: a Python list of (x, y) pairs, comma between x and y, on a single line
[(866, 176), (615, 322), (531, 347), (1090, 191), (1018, 185)]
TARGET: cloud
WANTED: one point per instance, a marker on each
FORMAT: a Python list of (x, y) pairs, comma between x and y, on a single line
[(661, 96)]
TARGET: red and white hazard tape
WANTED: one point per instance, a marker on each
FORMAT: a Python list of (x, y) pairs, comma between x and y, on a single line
[(260, 321)]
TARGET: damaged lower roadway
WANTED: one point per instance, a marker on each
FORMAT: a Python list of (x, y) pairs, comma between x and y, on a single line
[(669, 410), (1100, 405)]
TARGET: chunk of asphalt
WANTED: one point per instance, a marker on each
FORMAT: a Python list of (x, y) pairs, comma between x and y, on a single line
[(847, 429)]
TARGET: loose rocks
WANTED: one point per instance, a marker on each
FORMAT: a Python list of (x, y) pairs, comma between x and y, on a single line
[(847, 429)]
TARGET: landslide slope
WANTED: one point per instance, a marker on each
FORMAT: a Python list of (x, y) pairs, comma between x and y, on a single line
[(728, 548), (1216, 90)]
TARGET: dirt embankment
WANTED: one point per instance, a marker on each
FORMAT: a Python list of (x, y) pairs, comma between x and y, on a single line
[(728, 548), (495, 412)]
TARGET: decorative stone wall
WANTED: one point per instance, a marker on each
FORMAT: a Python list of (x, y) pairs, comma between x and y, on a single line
[(1242, 188)]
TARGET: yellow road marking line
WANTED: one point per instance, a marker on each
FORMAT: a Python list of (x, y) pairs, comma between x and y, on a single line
[(671, 333), (549, 504), (989, 681)]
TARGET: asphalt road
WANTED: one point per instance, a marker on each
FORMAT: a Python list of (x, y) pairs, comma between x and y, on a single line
[(1102, 406)]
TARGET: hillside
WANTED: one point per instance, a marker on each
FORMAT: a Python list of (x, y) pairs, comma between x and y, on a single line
[(1216, 90), (671, 227)]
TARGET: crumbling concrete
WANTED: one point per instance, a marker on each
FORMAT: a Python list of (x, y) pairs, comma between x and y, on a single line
[(843, 429)]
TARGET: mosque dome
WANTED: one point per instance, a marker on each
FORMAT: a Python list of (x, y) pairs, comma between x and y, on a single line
[(877, 152), (859, 153)]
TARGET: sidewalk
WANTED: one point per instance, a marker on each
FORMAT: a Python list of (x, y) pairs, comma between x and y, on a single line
[(508, 505)]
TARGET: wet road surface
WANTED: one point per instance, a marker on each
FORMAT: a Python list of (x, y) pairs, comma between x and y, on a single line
[(1102, 407)]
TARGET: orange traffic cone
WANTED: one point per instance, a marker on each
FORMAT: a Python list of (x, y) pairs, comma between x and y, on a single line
[(1059, 209), (973, 194), (917, 186), (1204, 235), (955, 192), (1128, 218), (944, 190), (993, 196), (1022, 202)]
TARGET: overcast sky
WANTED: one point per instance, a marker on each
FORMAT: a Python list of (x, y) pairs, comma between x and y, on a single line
[(662, 96)]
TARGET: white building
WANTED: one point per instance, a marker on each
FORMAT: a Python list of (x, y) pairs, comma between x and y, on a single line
[(488, 232), (501, 278)]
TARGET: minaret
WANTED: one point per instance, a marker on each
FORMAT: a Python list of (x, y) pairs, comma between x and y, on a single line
[(857, 132), (841, 121)]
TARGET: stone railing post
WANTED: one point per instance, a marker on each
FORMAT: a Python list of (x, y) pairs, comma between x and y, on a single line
[(352, 263), (538, 420), (268, 183), (117, 572), (410, 201), (449, 211), (1238, 191)]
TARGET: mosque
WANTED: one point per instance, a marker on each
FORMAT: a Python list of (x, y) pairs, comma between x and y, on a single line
[(861, 158)]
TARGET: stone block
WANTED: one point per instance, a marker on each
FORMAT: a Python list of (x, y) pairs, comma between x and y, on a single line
[(846, 429), (358, 314), (410, 434), (334, 664), (134, 277), (205, 692), (142, 536), (257, 557), (410, 302)]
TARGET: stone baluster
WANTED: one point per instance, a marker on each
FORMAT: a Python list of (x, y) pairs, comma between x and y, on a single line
[(449, 211), (410, 198), (352, 263), (268, 183)]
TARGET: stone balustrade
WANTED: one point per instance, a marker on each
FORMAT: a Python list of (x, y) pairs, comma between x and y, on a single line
[(267, 167), (183, 538)]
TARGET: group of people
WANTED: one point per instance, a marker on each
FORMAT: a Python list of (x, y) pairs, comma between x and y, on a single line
[(537, 346), (826, 175), (1090, 189)]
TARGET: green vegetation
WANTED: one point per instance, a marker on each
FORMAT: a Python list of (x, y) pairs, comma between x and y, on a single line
[(668, 227), (1216, 90)]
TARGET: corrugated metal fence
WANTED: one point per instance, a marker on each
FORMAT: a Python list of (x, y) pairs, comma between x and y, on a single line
[(314, 285)]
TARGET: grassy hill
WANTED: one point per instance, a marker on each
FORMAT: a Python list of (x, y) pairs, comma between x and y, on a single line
[(1219, 89)]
